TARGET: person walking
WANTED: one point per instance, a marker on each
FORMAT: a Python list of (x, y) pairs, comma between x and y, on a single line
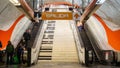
[(10, 52)]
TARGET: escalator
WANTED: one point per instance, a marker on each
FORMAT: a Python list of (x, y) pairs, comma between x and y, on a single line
[(84, 47), (103, 56), (89, 52)]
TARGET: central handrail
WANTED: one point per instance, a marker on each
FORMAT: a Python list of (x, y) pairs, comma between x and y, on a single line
[(88, 9)]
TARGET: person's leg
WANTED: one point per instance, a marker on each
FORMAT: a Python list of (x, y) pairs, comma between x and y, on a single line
[(22, 60), (26, 43), (11, 58), (19, 58), (0, 57), (7, 62)]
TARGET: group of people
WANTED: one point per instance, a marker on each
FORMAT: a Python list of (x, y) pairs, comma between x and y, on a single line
[(9, 53), (12, 53)]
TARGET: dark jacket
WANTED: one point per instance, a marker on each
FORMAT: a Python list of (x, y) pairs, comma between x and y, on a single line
[(26, 36), (20, 50), (10, 48)]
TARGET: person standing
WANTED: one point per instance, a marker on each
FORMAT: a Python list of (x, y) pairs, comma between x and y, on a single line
[(0, 44), (10, 52), (1, 53), (27, 37), (80, 26), (20, 51)]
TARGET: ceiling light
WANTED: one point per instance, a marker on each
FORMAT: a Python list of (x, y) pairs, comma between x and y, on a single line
[(15, 2)]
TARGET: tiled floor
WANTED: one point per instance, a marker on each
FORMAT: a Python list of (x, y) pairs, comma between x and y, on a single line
[(68, 65), (58, 65)]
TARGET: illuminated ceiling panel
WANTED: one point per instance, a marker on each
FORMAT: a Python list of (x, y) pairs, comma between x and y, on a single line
[(15, 2)]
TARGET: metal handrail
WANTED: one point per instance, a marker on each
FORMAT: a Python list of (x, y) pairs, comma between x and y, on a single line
[(88, 10)]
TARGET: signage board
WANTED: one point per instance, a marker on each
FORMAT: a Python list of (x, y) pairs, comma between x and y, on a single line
[(57, 16)]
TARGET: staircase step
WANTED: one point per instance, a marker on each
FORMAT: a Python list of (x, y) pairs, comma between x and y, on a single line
[(49, 31), (44, 41), (44, 58), (45, 50), (49, 45), (47, 42), (46, 47), (45, 54)]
